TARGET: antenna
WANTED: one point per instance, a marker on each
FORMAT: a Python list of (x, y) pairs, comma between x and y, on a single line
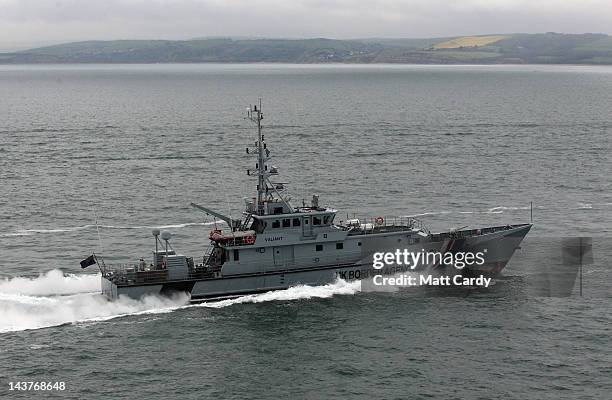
[(155, 233), (581, 251), (255, 114), (98, 230), (229, 208)]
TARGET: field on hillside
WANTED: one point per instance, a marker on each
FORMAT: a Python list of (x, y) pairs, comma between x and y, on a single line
[(469, 41), (516, 48)]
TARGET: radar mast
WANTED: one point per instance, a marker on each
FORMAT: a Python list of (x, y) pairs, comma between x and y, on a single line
[(255, 114)]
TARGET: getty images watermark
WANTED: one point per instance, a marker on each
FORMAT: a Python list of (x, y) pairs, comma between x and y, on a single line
[(397, 268)]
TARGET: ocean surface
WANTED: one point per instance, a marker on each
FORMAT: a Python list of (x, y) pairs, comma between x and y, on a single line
[(128, 147)]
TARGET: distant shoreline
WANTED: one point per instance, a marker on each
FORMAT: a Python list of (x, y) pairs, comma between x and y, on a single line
[(520, 49), (298, 64)]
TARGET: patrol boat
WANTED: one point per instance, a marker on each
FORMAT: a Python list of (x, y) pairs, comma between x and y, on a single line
[(276, 245)]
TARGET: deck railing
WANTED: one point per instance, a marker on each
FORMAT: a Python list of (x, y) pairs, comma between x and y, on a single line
[(369, 225), (126, 274)]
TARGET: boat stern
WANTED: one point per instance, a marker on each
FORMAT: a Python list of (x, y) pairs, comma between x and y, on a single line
[(109, 289)]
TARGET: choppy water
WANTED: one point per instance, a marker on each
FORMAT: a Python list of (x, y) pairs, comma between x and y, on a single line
[(456, 145)]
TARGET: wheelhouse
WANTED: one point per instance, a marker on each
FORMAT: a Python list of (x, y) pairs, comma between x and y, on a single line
[(299, 220)]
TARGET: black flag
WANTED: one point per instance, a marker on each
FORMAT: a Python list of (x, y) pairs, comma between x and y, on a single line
[(91, 260)]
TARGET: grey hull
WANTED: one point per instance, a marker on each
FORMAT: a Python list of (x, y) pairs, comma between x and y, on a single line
[(498, 248)]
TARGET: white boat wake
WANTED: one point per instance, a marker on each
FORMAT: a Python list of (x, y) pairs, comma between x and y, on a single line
[(54, 299), (69, 229), (301, 292), (53, 282)]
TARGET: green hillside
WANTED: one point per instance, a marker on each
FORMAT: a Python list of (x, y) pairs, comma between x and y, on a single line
[(551, 48)]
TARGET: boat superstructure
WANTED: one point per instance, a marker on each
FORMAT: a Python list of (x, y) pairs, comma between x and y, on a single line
[(276, 245)]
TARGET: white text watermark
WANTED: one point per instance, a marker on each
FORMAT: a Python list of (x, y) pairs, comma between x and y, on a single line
[(424, 258)]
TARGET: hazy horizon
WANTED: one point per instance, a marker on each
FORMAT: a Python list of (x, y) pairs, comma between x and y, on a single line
[(35, 23)]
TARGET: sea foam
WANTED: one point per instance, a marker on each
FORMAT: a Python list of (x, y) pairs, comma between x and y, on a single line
[(339, 287), (53, 299)]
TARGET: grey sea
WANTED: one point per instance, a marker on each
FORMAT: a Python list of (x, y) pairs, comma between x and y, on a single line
[(128, 147)]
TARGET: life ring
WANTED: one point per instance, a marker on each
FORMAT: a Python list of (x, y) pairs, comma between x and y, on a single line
[(379, 220), (249, 239)]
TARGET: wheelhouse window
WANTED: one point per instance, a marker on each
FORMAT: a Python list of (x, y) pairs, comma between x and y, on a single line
[(278, 210), (236, 255), (286, 223), (276, 223), (339, 246), (258, 225), (296, 222), (319, 247), (326, 219), (316, 221)]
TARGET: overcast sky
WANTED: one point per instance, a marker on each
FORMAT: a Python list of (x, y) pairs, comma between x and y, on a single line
[(29, 23)]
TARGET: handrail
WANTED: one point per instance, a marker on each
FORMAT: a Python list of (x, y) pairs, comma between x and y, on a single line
[(369, 225)]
